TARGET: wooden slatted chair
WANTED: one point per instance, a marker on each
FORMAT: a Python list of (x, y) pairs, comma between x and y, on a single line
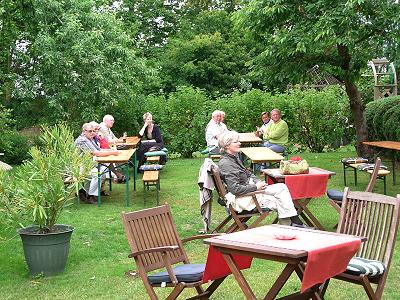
[(335, 197), (240, 220), (155, 244), (375, 217)]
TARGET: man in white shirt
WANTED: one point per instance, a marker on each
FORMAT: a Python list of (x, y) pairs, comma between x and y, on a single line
[(105, 128), (213, 130)]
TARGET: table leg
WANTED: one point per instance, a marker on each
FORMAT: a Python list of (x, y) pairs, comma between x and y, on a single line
[(280, 282), (126, 167), (239, 276), (302, 204), (134, 171), (98, 185)]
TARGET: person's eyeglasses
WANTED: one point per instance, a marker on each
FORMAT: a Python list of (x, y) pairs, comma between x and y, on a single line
[(90, 131)]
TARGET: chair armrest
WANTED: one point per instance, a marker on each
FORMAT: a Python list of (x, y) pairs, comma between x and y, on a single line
[(200, 236), (151, 250), (251, 193)]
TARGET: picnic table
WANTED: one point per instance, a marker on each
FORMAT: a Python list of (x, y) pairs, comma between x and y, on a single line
[(248, 138), (123, 159), (259, 155), (326, 254)]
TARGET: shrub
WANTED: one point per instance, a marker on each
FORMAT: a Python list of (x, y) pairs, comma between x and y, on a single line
[(15, 147), (381, 117)]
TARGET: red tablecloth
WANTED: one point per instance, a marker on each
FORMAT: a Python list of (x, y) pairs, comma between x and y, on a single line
[(309, 185), (328, 255), (216, 266)]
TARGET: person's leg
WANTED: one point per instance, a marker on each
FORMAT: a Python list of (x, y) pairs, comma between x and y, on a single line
[(283, 200), (276, 148)]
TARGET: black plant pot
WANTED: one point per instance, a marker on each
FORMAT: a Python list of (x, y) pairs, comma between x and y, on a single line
[(46, 253)]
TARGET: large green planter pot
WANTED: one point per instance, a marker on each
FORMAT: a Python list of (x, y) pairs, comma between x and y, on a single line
[(46, 253)]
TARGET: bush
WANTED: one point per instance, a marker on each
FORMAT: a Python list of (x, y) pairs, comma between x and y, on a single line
[(15, 147), (317, 118), (382, 119)]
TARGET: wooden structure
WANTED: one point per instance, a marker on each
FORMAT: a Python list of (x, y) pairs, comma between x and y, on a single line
[(239, 219), (155, 244), (375, 217), (385, 78), (151, 178)]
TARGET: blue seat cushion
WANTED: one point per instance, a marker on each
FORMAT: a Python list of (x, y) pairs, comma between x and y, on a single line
[(154, 167), (335, 195), (205, 151), (184, 273), (165, 150), (371, 268), (155, 153)]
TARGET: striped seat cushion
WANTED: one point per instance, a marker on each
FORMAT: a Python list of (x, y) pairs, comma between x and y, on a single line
[(371, 268), (150, 167)]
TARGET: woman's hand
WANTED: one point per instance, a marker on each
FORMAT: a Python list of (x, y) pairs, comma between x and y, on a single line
[(261, 185)]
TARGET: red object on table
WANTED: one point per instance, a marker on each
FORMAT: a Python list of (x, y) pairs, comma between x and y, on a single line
[(216, 266), (309, 185)]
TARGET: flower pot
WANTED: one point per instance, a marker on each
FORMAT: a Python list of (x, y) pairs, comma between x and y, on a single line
[(46, 253)]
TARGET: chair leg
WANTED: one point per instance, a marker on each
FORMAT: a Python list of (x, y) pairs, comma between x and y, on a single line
[(368, 288), (176, 291)]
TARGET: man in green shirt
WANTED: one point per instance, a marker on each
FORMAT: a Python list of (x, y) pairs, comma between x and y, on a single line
[(277, 134)]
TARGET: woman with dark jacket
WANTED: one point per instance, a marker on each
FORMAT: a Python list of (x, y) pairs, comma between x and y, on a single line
[(152, 139)]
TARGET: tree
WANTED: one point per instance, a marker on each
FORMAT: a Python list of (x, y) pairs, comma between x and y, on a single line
[(336, 35)]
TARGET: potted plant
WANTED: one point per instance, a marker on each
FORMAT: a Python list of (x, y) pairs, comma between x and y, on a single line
[(37, 192)]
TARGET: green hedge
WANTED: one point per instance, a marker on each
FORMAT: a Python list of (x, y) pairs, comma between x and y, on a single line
[(383, 120), (316, 119)]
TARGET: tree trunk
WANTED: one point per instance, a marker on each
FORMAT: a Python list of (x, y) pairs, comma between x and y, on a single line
[(360, 124)]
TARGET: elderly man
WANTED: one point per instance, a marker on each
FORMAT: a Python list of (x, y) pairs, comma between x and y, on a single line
[(213, 130), (277, 134), (87, 143), (105, 128)]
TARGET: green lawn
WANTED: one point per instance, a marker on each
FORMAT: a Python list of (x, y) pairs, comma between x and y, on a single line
[(99, 249)]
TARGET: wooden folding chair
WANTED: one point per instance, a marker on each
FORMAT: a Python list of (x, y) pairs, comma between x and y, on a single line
[(335, 197), (155, 244), (239, 219), (375, 217)]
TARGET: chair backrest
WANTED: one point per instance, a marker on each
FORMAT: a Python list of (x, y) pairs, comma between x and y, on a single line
[(374, 175), (219, 184), (150, 228), (373, 216)]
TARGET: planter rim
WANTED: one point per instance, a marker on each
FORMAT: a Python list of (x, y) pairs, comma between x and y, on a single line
[(29, 230)]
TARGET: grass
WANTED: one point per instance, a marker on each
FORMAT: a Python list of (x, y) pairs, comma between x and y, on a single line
[(99, 249)]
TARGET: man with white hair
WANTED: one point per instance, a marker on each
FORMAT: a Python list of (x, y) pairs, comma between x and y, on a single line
[(213, 130), (86, 143), (105, 128)]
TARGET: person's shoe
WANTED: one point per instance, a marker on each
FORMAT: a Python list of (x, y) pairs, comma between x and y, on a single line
[(82, 195), (300, 226), (104, 193), (91, 200)]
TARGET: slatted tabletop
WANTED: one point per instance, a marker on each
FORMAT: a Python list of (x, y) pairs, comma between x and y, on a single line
[(261, 154), (385, 144), (122, 157), (249, 138), (131, 142)]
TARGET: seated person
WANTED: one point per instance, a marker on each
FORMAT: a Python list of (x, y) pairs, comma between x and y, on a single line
[(102, 142), (87, 143), (276, 135), (213, 130), (150, 131), (265, 118), (105, 129), (240, 180)]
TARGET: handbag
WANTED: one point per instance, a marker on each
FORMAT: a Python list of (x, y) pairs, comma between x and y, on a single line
[(294, 166)]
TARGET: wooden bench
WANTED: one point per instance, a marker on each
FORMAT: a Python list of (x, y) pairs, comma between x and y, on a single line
[(151, 178), (381, 174), (153, 159)]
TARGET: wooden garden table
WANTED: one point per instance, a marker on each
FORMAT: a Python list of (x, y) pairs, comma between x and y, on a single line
[(248, 138), (122, 159), (326, 253)]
